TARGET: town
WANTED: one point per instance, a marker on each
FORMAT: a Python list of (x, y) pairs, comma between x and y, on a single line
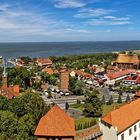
[(81, 97)]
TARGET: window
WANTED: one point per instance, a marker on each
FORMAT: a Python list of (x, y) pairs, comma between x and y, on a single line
[(135, 128), (122, 136), (135, 138), (130, 131)]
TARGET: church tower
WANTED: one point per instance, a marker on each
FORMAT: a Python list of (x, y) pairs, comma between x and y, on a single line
[(4, 76)]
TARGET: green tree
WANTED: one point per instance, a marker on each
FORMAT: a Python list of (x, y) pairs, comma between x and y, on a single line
[(110, 100), (26, 128), (29, 103), (79, 88), (119, 99), (128, 98), (66, 106), (8, 125), (3, 103), (92, 106), (103, 100)]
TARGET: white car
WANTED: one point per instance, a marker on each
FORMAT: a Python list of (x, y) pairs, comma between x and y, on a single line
[(57, 90), (67, 94), (61, 93)]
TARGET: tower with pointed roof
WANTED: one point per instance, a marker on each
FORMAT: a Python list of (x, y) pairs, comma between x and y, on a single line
[(4, 76)]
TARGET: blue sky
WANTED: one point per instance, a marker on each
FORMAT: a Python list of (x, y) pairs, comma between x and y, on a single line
[(69, 20)]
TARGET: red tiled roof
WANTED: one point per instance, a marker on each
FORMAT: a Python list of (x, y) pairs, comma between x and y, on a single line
[(10, 92), (55, 123), (49, 71), (86, 133), (125, 116), (44, 60), (119, 74), (87, 75), (138, 80), (79, 72), (137, 94)]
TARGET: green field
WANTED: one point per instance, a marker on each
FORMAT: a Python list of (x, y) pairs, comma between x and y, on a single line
[(109, 108)]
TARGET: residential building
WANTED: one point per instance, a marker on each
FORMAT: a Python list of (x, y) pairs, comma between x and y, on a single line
[(113, 78), (44, 62), (127, 61), (56, 124), (122, 123)]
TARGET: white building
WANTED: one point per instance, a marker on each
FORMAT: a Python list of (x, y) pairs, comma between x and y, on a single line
[(112, 78), (122, 123)]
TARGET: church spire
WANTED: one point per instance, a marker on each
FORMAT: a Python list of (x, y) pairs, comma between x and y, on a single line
[(4, 71)]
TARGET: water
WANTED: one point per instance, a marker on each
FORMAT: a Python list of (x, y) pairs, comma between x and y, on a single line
[(12, 50)]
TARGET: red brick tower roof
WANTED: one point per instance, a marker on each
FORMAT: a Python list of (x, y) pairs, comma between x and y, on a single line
[(56, 123)]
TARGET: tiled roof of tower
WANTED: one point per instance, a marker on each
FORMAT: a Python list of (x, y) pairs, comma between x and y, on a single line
[(128, 58), (125, 116), (56, 123)]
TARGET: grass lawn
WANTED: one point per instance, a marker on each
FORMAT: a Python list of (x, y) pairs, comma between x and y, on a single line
[(108, 108), (85, 122), (77, 106)]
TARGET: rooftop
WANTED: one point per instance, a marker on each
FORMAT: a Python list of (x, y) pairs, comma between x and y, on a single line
[(56, 123), (124, 117), (119, 74), (128, 58)]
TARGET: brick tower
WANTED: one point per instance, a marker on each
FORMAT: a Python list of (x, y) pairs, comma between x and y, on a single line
[(64, 78)]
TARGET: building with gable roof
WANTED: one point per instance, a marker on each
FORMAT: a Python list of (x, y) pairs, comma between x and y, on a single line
[(122, 123), (56, 124)]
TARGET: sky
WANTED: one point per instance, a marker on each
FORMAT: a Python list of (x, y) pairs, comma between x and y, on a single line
[(69, 20)]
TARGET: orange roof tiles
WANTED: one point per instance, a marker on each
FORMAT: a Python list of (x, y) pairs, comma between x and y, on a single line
[(10, 92), (49, 71), (119, 74), (128, 58), (86, 133), (138, 80), (125, 116), (56, 123), (137, 94), (44, 61)]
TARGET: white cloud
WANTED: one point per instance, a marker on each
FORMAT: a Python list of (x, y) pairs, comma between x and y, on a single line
[(88, 12), (69, 3), (77, 30), (117, 18), (102, 22)]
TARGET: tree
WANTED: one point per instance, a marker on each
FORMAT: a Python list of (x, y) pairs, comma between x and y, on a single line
[(26, 128), (66, 106), (103, 100), (8, 125), (110, 100), (29, 103), (92, 106), (119, 99), (127, 98), (3, 103), (79, 88)]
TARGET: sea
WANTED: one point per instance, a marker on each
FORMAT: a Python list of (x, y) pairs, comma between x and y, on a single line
[(46, 49)]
